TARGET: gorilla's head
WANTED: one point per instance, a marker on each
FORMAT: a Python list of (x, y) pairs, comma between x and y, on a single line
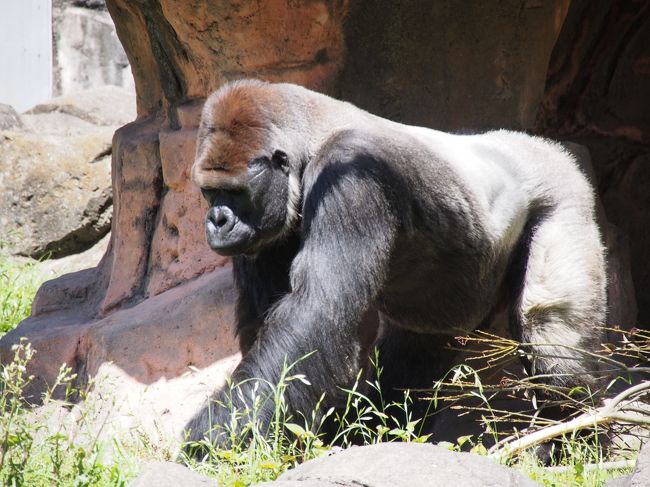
[(244, 169)]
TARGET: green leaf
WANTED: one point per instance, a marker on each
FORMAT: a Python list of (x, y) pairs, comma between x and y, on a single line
[(461, 440), (296, 429), (447, 444), (422, 439)]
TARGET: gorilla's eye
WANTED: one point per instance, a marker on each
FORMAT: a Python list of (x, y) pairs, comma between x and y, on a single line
[(257, 167), (281, 158), (218, 168)]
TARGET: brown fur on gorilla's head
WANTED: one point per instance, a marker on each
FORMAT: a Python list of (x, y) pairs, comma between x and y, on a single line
[(236, 127)]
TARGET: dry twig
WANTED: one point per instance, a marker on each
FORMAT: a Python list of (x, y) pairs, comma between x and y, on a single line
[(617, 410)]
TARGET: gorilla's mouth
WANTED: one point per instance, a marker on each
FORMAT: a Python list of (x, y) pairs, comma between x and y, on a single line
[(226, 234)]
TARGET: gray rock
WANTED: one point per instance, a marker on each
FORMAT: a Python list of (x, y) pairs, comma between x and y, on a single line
[(641, 474), (401, 464), (105, 105), (86, 50), (91, 4), (55, 181), (167, 474), (625, 481), (56, 123), (55, 192), (9, 119)]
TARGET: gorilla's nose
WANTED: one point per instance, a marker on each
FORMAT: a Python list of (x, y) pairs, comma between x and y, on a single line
[(222, 219)]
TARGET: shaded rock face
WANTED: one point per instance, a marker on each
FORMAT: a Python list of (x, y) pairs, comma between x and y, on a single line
[(435, 65), (563, 68), (597, 93)]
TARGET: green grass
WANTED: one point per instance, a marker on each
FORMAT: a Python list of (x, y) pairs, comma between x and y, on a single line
[(36, 449), (39, 447), (290, 440), (19, 282)]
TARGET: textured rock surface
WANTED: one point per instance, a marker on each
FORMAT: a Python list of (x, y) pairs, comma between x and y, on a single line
[(179, 50), (168, 474), (55, 191), (150, 349), (86, 50), (55, 178), (9, 119), (641, 475), (401, 465)]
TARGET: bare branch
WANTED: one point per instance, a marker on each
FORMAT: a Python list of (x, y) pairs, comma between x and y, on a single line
[(613, 411)]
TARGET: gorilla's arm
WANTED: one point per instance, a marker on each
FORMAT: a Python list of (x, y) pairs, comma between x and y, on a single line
[(335, 276)]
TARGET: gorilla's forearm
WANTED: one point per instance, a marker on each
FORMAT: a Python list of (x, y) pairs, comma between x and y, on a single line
[(293, 337)]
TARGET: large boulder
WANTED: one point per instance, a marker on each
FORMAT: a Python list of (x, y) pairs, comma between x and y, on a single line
[(55, 172), (401, 465), (55, 192)]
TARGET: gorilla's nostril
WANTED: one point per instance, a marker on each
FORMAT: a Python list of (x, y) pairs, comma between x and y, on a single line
[(221, 219)]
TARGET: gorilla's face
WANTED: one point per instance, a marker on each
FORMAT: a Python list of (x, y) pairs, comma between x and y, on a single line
[(250, 209), (244, 172)]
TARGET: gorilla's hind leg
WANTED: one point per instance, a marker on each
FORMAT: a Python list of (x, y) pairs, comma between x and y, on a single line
[(561, 306), (413, 361)]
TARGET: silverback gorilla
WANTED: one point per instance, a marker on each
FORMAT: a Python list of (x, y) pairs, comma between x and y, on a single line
[(334, 216)]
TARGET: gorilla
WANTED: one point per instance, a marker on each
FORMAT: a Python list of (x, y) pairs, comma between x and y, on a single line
[(349, 231)]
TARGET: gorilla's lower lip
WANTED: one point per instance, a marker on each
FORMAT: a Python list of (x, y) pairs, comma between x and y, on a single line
[(237, 239), (229, 249)]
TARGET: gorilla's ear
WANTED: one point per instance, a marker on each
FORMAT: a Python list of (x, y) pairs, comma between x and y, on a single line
[(281, 158)]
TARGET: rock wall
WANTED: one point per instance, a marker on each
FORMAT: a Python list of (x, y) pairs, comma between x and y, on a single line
[(597, 93), (449, 65), (86, 50)]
